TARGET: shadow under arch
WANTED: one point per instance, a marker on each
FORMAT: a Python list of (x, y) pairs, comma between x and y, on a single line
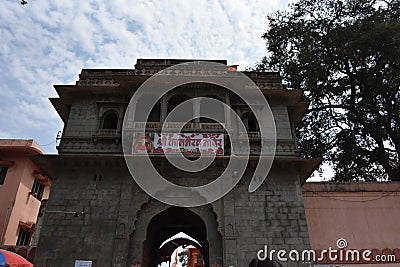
[(157, 222)]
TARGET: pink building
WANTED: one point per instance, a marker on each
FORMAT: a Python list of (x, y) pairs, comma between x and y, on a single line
[(23, 187), (356, 216)]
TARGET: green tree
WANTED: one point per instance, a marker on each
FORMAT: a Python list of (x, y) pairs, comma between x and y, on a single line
[(345, 55)]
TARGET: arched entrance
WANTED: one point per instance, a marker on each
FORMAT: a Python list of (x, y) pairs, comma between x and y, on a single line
[(169, 223), (157, 222)]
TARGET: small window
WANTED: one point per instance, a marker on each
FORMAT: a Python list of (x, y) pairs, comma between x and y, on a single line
[(110, 120), (3, 173), (38, 189), (250, 122), (24, 237)]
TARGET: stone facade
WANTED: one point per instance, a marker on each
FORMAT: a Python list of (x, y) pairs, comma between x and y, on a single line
[(111, 221)]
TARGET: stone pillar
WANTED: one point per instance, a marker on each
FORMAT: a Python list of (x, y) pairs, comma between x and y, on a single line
[(227, 112), (121, 240), (196, 113), (229, 238), (163, 108)]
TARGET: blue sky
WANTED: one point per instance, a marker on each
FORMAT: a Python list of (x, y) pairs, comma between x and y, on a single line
[(49, 42)]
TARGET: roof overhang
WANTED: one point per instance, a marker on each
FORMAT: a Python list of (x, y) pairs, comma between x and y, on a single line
[(18, 145), (50, 163)]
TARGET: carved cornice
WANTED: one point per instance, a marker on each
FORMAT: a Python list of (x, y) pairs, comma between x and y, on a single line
[(264, 80), (97, 82)]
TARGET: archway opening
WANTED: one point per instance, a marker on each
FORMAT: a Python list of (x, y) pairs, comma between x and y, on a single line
[(250, 122), (171, 223), (173, 102), (110, 120)]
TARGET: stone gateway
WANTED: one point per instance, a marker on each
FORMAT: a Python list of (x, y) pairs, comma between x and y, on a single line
[(103, 216)]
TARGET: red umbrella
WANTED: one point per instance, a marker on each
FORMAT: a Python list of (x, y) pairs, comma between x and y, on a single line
[(13, 260)]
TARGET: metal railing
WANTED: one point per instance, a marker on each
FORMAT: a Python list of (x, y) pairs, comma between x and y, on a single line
[(107, 132), (180, 125)]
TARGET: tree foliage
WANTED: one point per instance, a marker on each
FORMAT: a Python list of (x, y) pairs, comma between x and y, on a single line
[(345, 55)]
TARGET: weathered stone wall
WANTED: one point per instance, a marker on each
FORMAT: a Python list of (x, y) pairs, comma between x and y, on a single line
[(281, 117), (83, 119), (273, 216), (105, 202), (81, 132), (115, 219)]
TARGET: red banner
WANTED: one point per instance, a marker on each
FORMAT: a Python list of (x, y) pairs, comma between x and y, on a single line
[(185, 143)]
